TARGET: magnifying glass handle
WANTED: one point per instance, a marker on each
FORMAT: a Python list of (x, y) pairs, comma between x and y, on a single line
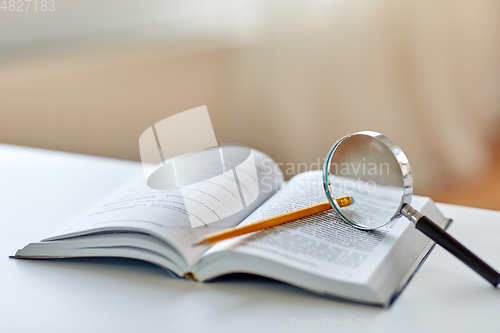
[(441, 237)]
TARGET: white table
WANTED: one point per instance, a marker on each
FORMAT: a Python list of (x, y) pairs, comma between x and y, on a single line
[(40, 188)]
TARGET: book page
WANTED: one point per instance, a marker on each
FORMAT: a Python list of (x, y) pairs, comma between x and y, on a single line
[(181, 216), (322, 244)]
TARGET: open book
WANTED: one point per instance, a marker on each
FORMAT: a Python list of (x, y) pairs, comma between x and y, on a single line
[(320, 253)]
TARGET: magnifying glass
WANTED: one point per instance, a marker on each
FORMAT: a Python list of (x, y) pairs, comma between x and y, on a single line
[(374, 171)]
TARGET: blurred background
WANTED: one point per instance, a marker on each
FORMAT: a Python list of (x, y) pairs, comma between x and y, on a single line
[(286, 77)]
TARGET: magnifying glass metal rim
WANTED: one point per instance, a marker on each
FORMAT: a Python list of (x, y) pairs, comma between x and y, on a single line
[(403, 163)]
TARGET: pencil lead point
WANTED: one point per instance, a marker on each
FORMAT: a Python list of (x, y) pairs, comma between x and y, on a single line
[(202, 241)]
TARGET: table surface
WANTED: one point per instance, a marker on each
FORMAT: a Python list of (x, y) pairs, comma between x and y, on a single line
[(40, 188)]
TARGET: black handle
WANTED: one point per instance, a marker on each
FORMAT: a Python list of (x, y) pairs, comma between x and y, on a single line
[(441, 237)]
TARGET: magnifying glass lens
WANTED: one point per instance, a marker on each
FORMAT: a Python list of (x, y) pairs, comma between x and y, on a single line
[(364, 168)]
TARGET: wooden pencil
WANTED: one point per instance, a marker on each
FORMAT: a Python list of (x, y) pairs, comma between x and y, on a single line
[(271, 222)]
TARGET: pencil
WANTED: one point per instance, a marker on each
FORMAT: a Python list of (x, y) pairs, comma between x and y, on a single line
[(271, 222)]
